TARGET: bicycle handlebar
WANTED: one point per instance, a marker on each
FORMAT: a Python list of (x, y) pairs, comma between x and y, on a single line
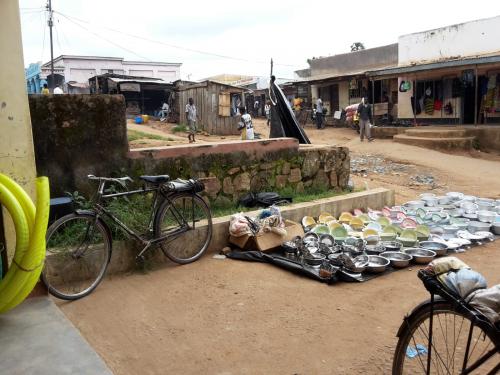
[(118, 179)]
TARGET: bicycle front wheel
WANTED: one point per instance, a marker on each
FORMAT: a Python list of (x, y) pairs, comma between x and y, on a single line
[(77, 256), (450, 335), (185, 221)]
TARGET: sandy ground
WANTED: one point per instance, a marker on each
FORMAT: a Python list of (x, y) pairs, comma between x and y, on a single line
[(231, 317)]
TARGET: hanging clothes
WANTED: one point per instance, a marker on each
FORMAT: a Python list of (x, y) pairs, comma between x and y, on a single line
[(429, 106), (418, 110)]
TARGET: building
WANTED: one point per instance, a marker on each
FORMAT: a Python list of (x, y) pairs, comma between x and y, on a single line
[(427, 77), (143, 95), (34, 80), (217, 105), (73, 72)]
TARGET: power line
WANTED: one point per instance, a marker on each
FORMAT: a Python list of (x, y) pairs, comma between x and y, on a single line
[(43, 41), (175, 46), (101, 37)]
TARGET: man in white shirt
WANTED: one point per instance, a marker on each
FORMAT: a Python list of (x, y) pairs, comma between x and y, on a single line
[(191, 119), (58, 91), (164, 112)]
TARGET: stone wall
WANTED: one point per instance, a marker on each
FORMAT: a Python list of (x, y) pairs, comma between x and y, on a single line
[(267, 165), (77, 135)]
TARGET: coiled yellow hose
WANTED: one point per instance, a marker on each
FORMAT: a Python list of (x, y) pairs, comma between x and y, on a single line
[(31, 227)]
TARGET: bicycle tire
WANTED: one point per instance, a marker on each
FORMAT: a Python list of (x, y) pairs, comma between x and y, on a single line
[(190, 245), (65, 276), (416, 322)]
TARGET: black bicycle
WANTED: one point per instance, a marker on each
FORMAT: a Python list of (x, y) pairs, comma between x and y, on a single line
[(445, 335), (79, 245)]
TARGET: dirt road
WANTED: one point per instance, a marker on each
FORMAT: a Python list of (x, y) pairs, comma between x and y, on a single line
[(232, 317)]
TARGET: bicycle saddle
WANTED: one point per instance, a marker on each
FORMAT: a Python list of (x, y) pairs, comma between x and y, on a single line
[(156, 179)]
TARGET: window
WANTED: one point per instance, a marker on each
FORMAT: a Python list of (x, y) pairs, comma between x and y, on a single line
[(225, 104)]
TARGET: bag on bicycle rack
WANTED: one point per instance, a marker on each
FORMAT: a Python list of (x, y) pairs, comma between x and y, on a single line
[(179, 185)]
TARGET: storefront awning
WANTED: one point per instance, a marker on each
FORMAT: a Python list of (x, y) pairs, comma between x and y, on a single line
[(465, 62)]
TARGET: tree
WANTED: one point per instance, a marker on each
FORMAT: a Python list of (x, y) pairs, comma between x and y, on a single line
[(357, 46)]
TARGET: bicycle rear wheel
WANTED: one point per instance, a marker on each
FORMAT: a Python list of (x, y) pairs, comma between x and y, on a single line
[(450, 334), (77, 256), (186, 221)]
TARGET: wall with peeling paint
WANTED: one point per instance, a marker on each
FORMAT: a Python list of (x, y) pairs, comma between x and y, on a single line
[(462, 40)]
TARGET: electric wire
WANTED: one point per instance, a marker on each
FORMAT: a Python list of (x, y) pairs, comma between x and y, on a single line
[(103, 38), (173, 45)]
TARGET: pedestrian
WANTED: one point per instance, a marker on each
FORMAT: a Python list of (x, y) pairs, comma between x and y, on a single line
[(245, 125), (45, 90), (267, 109), (58, 90), (256, 106), (319, 114), (164, 111), (365, 119), (191, 119)]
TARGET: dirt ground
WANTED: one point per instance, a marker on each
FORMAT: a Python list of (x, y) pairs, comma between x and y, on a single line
[(232, 317)]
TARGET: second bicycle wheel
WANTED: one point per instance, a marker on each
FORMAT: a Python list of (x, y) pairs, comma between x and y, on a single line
[(186, 222), (77, 256), (450, 334)]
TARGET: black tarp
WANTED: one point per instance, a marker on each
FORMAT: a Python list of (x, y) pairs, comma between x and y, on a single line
[(283, 121)]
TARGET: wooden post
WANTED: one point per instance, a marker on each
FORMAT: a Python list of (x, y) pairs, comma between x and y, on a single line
[(475, 94)]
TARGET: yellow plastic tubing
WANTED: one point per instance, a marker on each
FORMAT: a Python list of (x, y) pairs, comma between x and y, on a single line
[(31, 226)]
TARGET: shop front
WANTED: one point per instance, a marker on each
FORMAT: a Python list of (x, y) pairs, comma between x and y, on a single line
[(463, 91)]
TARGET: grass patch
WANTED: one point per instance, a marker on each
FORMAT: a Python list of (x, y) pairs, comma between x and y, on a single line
[(179, 128), (309, 195), (134, 135)]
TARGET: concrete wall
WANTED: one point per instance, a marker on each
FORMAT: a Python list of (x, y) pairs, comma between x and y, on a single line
[(465, 39), (360, 61), (77, 135)]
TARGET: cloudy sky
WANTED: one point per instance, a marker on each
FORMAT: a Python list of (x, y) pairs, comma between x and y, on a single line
[(238, 37)]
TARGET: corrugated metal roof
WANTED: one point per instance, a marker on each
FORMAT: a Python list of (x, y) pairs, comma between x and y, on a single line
[(435, 65), (139, 80)]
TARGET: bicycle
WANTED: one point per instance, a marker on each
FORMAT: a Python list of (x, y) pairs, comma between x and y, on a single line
[(445, 335), (79, 245)]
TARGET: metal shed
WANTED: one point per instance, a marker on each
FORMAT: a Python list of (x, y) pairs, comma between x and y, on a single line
[(215, 103)]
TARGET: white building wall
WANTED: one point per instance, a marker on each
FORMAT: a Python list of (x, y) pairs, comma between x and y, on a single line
[(466, 39)]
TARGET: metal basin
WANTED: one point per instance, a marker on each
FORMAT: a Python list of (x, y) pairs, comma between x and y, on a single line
[(359, 263), (377, 264), (374, 249), (397, 258), (391, 245), (438, 247), (314, 260), (420, 256), (476, 226)]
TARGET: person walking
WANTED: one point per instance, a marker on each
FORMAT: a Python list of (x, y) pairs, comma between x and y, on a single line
[(246, 125), (256, 107), (164, 112), (319, 114), (267, 110), (365, 119), (191, 119)]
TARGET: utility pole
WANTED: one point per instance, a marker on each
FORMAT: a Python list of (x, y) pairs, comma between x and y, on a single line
[(51, 23)]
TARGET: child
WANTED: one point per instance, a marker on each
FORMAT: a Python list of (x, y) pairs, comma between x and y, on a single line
[(246, 125)]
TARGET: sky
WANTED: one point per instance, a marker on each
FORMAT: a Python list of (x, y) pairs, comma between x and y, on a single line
[(234, 37)]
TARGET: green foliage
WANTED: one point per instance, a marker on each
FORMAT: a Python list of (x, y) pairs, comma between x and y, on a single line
[(179, 128), (134, 135), (79, 200), (475, 144)]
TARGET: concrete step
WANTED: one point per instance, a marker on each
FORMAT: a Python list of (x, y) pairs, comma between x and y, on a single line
[(436, 133), (451, 143)]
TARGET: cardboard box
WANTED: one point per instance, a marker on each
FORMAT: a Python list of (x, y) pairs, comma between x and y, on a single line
[(267, 241)]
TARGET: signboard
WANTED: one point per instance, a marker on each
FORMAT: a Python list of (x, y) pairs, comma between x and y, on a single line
[(130, 87)]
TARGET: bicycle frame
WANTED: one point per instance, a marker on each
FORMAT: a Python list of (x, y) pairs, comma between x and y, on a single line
[(103, 211), (435, 288)]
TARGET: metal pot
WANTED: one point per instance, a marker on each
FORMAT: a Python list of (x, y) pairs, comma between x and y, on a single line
[(397, 258), (377, 264), (438, 247), (420, 256)]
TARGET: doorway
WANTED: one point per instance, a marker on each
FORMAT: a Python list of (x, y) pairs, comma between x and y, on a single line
[(468, 98)]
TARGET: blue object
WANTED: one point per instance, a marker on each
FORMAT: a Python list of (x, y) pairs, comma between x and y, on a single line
[(138, 120), (412, 352)]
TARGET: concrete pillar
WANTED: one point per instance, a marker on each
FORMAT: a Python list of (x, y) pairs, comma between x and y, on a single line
[(314, 93), (17, 157)]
